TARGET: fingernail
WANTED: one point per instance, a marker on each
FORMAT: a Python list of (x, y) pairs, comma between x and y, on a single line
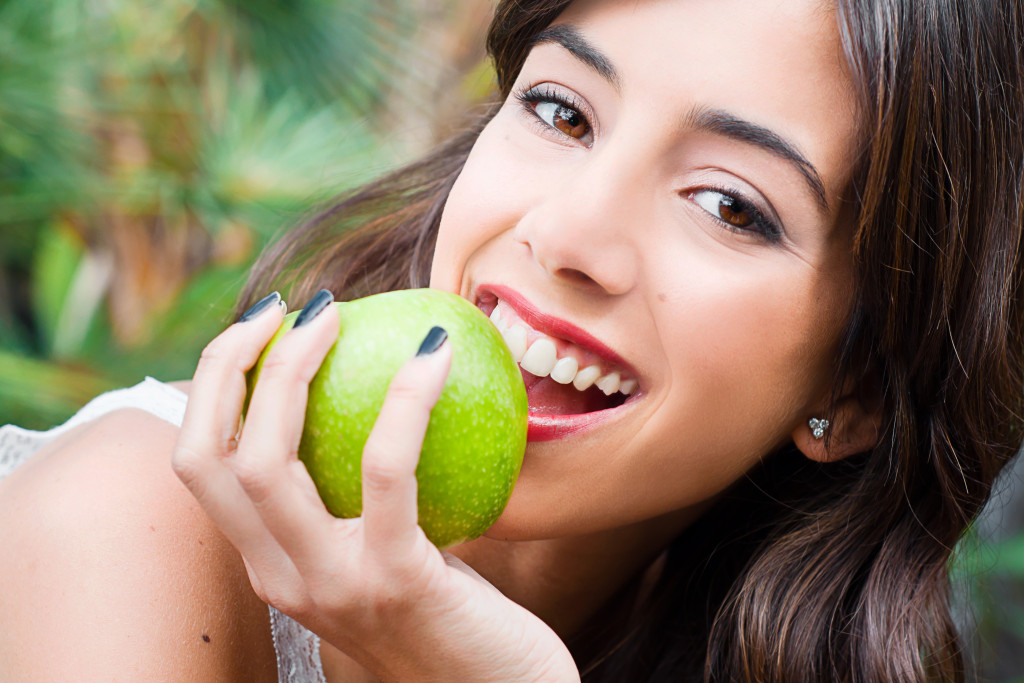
[(313, 307), (260, 306), (432, 342)]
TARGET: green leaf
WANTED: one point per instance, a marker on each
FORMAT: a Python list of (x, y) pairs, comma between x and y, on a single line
[(56, 259)]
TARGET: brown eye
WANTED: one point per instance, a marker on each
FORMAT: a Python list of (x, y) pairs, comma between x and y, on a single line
[(737, 213), (734, 212), (566, 120)]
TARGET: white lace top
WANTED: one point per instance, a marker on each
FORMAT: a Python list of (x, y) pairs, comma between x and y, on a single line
[(298, 650)]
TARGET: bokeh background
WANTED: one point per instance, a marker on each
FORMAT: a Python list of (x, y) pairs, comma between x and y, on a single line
[(150, 148)]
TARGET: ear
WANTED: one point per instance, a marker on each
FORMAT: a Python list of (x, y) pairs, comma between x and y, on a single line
[(855, 423)]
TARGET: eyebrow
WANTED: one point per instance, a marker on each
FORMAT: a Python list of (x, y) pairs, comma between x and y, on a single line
[(714, 121), (723, 123), (572, 40)]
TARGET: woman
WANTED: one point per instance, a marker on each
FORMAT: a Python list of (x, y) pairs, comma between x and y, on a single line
[(793, 230)]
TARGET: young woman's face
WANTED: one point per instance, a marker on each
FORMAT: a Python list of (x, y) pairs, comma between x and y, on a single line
[(661, 197)]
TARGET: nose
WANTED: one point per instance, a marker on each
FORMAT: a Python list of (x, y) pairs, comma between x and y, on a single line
[(587, 225)]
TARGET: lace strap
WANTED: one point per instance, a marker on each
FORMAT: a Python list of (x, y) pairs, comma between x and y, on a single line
[(298, 650)]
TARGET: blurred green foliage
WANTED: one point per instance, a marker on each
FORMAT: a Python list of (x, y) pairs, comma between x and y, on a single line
[(987, 574), (148, 150)]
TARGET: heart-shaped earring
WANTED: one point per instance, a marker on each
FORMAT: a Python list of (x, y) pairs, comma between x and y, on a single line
[(818, 427)]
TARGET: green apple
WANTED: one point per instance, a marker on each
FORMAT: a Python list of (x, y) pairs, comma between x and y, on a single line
[(475, 441)]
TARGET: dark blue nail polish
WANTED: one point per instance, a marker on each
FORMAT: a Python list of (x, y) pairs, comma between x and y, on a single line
[(313, 307), (432, 342), (260, 306)]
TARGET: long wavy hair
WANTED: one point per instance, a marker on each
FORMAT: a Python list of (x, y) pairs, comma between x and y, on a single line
[(808, 571)]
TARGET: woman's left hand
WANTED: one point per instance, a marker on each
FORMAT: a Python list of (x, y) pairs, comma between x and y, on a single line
[(373, 586)]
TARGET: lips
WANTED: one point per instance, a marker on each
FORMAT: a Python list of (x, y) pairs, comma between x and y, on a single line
[(542, 355), (574, 382)]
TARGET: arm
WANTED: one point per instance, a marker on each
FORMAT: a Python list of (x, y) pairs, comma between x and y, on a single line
[(373, 586), (111, 571)]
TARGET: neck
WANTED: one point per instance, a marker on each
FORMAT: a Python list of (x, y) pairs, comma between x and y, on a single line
[(565, 581)]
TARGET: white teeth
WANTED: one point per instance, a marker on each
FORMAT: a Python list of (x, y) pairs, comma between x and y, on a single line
[(515, 339), (564, 370), (586, 376), (540, 358), (609, 384)]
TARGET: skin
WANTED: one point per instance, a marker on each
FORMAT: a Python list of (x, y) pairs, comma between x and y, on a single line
[(113, 572), (732, 337)]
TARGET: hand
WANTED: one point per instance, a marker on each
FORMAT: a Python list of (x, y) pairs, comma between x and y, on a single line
[(373, 586)]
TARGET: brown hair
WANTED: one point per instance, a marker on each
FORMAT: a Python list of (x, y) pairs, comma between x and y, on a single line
[(808, 571)]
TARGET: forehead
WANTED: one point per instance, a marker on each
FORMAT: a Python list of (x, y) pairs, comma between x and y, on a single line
[(779, 64)]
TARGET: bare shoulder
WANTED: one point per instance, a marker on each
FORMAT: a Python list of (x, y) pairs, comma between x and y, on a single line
[(111, 570)]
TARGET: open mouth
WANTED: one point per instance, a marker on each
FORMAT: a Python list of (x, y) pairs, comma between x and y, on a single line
[(572, 380), (548, 397)]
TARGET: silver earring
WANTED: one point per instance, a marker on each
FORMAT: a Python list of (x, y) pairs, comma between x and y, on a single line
[(818, 427)]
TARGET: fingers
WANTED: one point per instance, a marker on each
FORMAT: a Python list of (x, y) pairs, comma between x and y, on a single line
[(211, 418), (218, 491), (218, 386), (297, 556), (392, 453), (207, 436), (277, 408), (258, 492), (266, 463)]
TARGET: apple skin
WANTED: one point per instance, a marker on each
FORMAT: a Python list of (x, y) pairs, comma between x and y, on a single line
[(474, 445)]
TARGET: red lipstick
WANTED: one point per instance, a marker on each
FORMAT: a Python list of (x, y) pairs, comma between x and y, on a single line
[(552, 326), (552, 427), (544, 427)]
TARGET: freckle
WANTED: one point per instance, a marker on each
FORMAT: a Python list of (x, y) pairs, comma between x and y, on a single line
[(200, 543), (206, 638), (662, 297), (152, 528)]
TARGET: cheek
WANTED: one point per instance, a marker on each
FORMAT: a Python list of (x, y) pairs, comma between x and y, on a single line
[(756, 345), (488, 198), (746, 357)]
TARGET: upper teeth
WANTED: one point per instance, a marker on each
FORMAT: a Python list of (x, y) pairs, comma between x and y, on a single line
[(541, 359)]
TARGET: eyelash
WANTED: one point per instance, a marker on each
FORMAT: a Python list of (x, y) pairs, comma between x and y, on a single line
[(765, 228), (529, 97)]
